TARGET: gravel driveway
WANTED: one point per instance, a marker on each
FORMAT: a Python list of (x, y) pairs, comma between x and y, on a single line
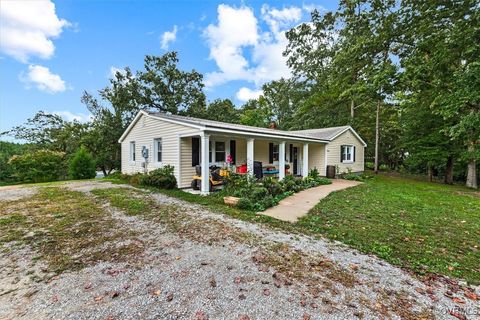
[(209, 266)]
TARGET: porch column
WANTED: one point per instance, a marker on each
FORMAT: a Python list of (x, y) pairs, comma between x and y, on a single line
[(281, 160), (204, 145), (305, 160), (250, 155)]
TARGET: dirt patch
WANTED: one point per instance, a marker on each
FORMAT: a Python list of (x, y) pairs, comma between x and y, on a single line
[(12, 193)]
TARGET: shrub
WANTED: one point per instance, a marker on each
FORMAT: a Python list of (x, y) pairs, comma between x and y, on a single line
[(273, 186), (369, 165), (245, 204), (314, 174), (82, 165), (239, 185), (162, 178), (259, 195), (38, 166)]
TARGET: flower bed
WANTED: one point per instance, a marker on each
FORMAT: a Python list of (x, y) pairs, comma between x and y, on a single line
[(259, 195)]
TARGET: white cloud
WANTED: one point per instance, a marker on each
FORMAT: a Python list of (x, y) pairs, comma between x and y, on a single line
[(167, 37), (69, 116), (114, 70), (277, 19), (238, 33), (245, 94), (312, 6), (43, 79), (27, 27)]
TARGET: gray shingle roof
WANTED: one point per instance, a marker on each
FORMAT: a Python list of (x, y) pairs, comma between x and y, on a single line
[(317, 134), (323, 133)]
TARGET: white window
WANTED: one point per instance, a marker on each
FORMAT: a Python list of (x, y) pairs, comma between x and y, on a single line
[(347, 154), (157, 146), (275, 152), (132, 151), (219, 151)]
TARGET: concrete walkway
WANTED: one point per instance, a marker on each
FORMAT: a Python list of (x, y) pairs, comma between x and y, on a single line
[(296, 206)]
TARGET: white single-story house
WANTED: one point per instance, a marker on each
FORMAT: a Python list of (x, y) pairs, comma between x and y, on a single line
[(184, 142)]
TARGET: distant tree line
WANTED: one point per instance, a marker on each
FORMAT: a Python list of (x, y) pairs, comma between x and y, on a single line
[(405, 74)]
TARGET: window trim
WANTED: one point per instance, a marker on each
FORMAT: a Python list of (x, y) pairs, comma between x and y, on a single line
[(224, 151), (155, 150), (133, 151), (345, 153)]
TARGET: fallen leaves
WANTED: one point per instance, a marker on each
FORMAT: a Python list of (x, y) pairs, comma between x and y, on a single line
[(458, 300), (457, 315), (201, 315), (213, 282), (471, 295)]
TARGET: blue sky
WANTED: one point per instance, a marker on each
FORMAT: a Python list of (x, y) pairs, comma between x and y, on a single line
[(50, 52)]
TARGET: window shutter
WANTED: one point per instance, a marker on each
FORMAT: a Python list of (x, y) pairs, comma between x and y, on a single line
[(354, 151), (233, 151), (291, 153), (195, 151), (342, 153), (270, 153)]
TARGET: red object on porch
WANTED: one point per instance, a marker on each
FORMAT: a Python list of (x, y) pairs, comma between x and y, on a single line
[(242, 168)]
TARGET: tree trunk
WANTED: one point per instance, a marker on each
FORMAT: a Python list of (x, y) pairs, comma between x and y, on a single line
[(377, 136), (104, 171), (429, 174), (352, 109), (472, 169), (449, 171)]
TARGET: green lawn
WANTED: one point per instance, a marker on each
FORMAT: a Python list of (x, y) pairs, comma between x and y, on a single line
[(425, 227)]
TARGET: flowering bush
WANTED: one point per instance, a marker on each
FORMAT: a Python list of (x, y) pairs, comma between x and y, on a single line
[(39, 166), (258, 195)]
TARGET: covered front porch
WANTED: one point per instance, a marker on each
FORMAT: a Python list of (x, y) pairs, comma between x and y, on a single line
[(276, 157)]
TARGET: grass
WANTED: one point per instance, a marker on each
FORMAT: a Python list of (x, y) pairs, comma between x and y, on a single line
[(420, 226), (67, 229), (424, 227)]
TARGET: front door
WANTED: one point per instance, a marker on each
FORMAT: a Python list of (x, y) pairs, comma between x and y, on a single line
[(295, 160)]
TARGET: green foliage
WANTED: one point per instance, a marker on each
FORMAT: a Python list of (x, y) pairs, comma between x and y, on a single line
[(38, 166), (405, 221), (82, 165), (162, 178), (258, 195), (7, 150), (219, 110)]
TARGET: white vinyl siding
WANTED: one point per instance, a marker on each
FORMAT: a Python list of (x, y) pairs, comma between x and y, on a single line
[(334, 153), (143, 133)]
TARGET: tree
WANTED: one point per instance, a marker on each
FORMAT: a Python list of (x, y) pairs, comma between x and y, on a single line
[(82, 165), (256, 113), (440, 55), (47, 130), (222, 110), (8, 150), (345, 60), (164, 87), (282, 97), (38, 166), (161, 86)]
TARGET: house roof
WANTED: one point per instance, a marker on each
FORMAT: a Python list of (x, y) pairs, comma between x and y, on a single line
[(324, 133), (320, 135)]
